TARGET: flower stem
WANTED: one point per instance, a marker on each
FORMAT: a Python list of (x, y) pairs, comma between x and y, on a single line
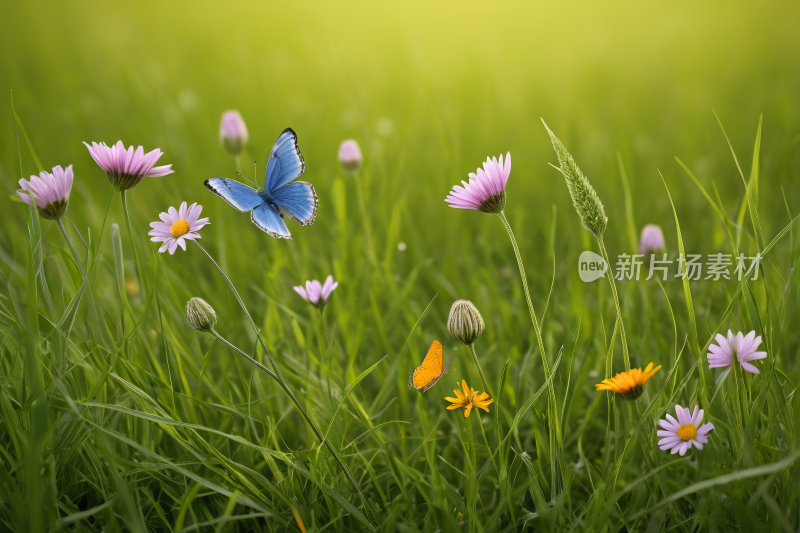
[(472, 489), (91, 256), (480, 370), (139, 270), (552, 406), (610, 278), (246, 312), (535, 322), (74, 253), (278, 376)]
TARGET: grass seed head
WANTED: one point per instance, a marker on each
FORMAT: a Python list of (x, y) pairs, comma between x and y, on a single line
[(584, 197)]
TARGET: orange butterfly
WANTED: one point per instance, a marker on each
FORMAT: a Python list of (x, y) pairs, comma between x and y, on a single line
[(428, 373)]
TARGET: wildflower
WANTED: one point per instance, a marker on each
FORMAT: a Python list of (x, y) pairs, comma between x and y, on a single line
[(468, 398), (350, 155), (200, 315), (233, 132), (317, 293), (486, 190), (721, 355), (681, 434), (127, 168), (629, 384), (465, 322), (652, 239), (50, 191), (177, 227), (584, 198)]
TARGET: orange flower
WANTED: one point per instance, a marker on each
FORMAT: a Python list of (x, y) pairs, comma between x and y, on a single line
[(629, 384), (468, 398)]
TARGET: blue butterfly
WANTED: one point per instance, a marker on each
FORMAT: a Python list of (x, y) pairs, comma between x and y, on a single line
[(281, 196)]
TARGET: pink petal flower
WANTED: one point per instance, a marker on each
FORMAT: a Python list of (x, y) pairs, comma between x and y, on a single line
[(317, 293), (49, 192), (486, 190), (127, 168), (651, 240), (350, 155), (233, 133), (742, 346)]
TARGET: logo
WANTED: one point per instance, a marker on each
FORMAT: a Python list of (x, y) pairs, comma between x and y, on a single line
[(591, 266)]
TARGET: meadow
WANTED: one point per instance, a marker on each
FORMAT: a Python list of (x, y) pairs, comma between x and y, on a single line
[(117, 415)]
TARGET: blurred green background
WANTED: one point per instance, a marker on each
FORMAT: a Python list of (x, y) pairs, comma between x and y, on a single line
[(429, 89)]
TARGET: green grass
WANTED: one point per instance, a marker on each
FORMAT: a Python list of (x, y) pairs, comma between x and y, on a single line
[(126, 419)]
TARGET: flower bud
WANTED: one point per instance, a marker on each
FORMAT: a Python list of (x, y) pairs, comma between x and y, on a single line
[(465, 322), (652, 239), (233, 132), (200, 315), (350, 155)]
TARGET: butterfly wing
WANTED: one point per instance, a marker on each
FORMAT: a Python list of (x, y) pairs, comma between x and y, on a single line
[(436, 379), (238, 195), (298, 201), (269, 221), (285, 162), (429, 370)]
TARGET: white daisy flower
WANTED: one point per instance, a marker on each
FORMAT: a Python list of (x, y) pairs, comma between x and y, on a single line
[(177, 226)]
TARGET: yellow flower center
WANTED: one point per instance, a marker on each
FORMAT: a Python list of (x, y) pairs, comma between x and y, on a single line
[(179, 228), (687, 432)]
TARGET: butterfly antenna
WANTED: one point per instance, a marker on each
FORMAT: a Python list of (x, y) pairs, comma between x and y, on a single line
[(248, 179), (448, 361)]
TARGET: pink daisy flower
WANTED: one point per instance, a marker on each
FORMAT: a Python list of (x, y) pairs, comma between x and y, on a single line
[(721, 355), (127, 168), (681, 434), (652, 239), (177, 226), (50, 191), (233, 132), (350, 155), (315, 292), (486, 190)]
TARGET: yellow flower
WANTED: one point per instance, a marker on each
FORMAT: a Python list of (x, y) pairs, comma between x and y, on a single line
[(629, 384), (468, 398)]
